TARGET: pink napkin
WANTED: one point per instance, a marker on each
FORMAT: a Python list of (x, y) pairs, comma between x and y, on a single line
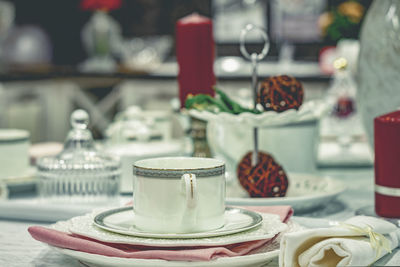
[(84, 244)]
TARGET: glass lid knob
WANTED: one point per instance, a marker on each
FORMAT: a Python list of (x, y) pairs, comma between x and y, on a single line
[(79, 119), (340, 63)]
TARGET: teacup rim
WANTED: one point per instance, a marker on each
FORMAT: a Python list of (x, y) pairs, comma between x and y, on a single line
[(216, 170), (220, 165)]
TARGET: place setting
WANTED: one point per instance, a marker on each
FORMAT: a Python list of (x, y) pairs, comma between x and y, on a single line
[(198, 211), (200, 133), (178, 215)]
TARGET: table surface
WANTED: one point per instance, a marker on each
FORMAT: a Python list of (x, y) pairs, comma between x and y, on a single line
[(17, 248)]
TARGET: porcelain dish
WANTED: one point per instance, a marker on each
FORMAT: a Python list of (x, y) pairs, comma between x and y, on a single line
[(310, 110), (257, 259), (264, 256), (178, 194), (84, 226), (134, 151), (121, 220), (305, 192)]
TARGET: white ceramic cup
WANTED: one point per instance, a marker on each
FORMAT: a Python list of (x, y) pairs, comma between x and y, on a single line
[(14, 153), (179, 194)]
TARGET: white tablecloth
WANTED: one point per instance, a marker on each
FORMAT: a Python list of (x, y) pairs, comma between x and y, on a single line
[(17, 248)]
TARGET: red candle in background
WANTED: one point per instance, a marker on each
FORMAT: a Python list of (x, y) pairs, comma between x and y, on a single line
[(195, 55), (387, 164)]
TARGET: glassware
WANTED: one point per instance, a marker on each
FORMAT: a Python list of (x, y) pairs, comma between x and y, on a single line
[(79, 173), (341, 96), (379, 63), (393, 22)]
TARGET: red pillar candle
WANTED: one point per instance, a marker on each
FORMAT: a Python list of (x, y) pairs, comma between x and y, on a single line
[(387, 164), (195, 55)]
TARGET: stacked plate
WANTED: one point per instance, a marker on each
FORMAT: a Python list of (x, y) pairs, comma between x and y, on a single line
[(107, 237), (116, 226)]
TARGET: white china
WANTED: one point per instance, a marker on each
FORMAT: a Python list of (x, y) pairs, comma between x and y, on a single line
[(179, 194), (290, 136), (136, 125), (134, 151), (310, 110), (293, 146), (305, 192), (14, 153), (264, 256), (122, 221), (84, 226), (258, 259), (80, 173)]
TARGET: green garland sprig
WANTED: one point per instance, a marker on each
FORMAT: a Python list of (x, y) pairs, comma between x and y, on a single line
[(220, 103)]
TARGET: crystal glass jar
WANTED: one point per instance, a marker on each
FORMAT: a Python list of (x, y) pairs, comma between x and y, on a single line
[(80, 173), (379, 63)]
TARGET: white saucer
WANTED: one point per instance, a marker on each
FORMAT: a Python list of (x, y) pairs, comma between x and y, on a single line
[(84, 226), (121, 220), (306, 192), (308, 111)]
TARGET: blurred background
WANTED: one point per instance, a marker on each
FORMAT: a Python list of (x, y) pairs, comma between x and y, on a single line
[(63, 22), (112, 70), (53, 59)]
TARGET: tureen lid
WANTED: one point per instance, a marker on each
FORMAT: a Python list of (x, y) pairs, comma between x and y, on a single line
[(79, 153)]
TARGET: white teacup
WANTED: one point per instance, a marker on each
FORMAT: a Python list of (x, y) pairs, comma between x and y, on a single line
[(179, 194)]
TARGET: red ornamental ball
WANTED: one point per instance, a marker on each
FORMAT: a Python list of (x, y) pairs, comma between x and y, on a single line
[(344, 107), (280, 93), (266, 179)]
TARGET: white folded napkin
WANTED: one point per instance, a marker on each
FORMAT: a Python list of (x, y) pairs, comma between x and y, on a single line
[(347, 244)]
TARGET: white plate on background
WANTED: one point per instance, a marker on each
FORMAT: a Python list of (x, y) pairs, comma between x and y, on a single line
[(264, 256), (122, 221), (83, 226), (305, 192)]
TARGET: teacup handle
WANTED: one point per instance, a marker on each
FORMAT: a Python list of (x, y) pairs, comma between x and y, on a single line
[(189, 183)]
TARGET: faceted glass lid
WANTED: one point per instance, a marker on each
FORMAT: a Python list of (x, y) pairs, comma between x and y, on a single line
[(79, 153)]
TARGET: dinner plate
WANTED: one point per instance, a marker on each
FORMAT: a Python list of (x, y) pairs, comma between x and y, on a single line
[(83, 226), (266, 255), (305, 192), (262, 258), (122, 221)]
